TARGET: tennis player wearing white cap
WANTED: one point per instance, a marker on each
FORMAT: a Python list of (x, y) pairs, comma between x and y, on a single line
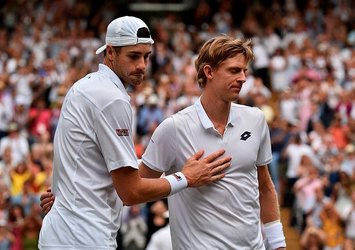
[(95, 165)]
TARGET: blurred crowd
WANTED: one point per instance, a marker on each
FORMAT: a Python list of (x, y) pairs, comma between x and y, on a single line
[(302, 77)]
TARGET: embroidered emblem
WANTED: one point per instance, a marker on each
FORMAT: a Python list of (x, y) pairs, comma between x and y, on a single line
[(122, 132)]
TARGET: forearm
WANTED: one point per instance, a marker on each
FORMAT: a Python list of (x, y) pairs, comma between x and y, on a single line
[(269, 206), (269, 210), (146, 190), (132, 189)]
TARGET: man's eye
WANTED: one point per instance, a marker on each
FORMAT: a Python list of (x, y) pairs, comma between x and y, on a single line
[(134, 57)]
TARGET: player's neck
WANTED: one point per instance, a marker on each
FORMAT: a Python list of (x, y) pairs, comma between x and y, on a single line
[(217, 111)]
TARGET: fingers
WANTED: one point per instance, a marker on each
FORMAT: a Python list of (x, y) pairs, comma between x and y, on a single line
[(47, 203), (47, 207), (197, 155), (218, 172), (219, 162), (213, 156), (217, 177), (46, 195), (47, 200)]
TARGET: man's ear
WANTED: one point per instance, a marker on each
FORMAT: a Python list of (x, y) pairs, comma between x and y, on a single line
[(207, 69), (110, 52)]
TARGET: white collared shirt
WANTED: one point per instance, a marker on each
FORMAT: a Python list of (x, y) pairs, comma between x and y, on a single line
[(94, 136), (226, 214)]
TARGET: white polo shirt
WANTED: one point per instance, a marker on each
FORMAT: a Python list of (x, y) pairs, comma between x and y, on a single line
[(226, 214), (94, 137)]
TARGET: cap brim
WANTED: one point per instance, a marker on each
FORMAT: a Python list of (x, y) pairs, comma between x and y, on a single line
[(99, 50)]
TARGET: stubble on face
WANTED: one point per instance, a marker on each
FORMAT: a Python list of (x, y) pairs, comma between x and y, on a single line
[(131, 62)]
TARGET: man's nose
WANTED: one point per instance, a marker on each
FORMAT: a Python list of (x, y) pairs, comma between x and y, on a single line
[(142, 63), (242, 77)]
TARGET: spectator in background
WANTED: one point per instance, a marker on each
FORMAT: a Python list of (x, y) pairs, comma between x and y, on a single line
[(21, 116), (317, 138), (313, 218), (293, 153), (288, 107), (279, 75), (39, 119), (279, 137), (7, 239), (161, 57), (271, 40), (312, 238), (27, 199), (161, 238), (17, 143), (21, 80), (342, 192), (304, 88), (223, 19), (149, 116), (344, 106), (6, 166), (19, 175), (320, 111), (261, 63), (134, 229), (6, 111), (31, 228), (16, 222), (339, 132), (332, 227), (305, 191), (350, 225), (157, 218), (351, 133)]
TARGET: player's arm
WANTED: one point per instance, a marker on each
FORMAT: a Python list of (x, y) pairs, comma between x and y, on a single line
[(196, 172), (134, 189), (269, 210), (47, 198), (146, 172)]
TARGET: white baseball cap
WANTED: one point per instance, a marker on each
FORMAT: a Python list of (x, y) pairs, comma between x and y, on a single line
[(125, 31)]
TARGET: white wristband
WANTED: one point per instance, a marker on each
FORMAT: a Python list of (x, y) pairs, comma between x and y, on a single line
[(177, 182), (274, 234)]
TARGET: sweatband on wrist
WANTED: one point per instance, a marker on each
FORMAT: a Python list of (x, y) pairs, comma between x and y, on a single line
[(177, 182), (274, 234)]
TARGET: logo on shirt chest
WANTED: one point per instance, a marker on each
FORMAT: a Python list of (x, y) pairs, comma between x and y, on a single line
[(245, 135), (122, 132)]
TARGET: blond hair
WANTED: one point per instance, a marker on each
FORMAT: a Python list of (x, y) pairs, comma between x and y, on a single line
[(217, 50)]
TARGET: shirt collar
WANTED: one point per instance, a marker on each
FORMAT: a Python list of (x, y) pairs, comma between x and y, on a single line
[(112, 76), (206, 122)]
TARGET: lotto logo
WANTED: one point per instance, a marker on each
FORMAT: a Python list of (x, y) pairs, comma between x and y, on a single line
[(245, 135)]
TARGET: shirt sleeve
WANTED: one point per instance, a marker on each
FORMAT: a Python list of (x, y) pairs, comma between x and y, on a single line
[(161, 150), (113, 128)]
